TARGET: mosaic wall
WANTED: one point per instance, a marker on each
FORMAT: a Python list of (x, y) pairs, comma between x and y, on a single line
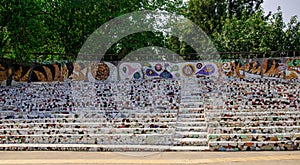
[(166, 70), (58, 72), (286, 68)]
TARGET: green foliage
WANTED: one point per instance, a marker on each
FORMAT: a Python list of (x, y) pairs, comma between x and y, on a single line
[(247, 34), (254, 33), (207, 14), (292, 35), (145, 39), (61, 27), (241, 26), (211, 14), (21, 27), (278, 36)]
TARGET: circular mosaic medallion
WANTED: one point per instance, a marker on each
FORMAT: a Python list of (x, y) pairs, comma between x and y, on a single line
[(199, 65), (175, 68), (102, 71), (158, 67), (188, 70)]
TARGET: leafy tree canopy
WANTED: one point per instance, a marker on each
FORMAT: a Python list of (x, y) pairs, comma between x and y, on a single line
[(62, 26)]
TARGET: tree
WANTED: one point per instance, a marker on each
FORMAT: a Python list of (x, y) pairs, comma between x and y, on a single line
[(292, 35), (211, 14), (148, 38), (22, 28), (5, 14), (248, 34), (71, 22), (278, 37), (207, 14), (62, 26)]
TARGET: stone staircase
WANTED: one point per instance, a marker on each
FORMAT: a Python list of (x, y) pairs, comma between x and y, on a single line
[(191, 127)]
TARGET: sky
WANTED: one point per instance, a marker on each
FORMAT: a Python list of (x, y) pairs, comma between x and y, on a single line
[(289, 8)]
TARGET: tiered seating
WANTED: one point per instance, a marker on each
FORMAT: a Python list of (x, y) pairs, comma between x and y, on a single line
[(190, 114), (109, 113), (259, 114)]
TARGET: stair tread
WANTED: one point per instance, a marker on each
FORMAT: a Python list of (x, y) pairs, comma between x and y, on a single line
[(190, 148), (191, 139), (187, 132), (192, 127)]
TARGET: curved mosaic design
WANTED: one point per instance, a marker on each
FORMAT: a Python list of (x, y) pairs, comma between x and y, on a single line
[(158, 70), (151, 73), (165, 75), (130, 71), (188, 70), (285, 68), (207, 70)]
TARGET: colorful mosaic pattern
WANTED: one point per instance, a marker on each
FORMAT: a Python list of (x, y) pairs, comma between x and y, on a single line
[(158, 70), (130, 71), (284, 68)]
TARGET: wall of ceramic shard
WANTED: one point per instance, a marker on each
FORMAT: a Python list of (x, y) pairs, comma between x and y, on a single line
[(283, 68)]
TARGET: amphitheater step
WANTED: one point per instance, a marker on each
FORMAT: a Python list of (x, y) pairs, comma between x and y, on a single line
[(186, 119), (191, 134), (191, 104), (189, 148), (195, 129), (254, 145), (191, 141), (191, 126), (95, 147), (190, 122)]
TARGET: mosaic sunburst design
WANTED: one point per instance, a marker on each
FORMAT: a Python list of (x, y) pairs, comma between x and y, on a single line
[(188, 70)]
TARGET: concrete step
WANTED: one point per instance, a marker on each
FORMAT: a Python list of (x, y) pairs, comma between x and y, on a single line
[(191, 124), (191, 104), (191, 112), (191, 134), (186, 119), (189, 148), (191, 141), (190, 115), (194, 129)]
